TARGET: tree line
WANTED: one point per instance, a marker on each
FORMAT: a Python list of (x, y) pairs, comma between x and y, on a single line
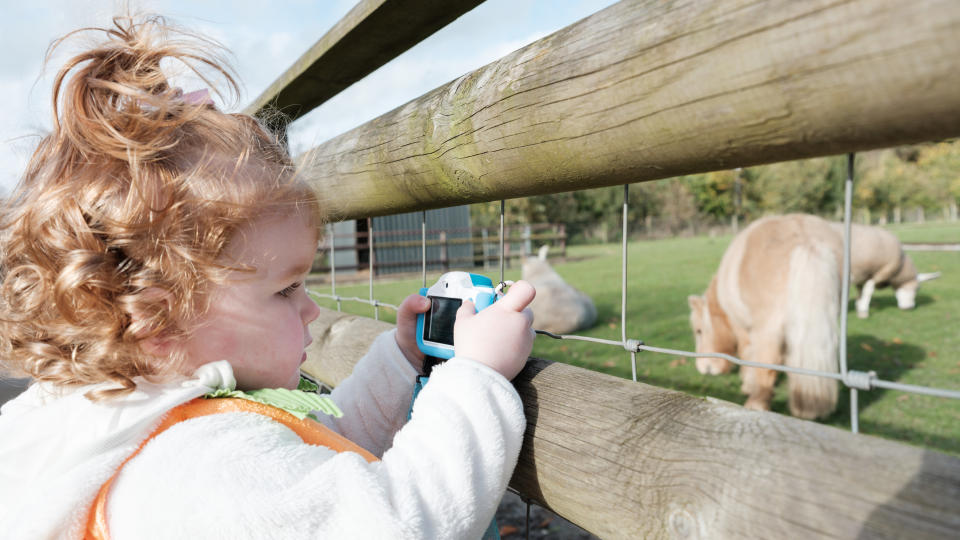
[(907, 183)]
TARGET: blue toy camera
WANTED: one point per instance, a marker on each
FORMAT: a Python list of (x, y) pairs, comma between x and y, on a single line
[(435, 327)]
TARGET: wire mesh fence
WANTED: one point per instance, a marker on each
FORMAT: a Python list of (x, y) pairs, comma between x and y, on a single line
[(854, 380)]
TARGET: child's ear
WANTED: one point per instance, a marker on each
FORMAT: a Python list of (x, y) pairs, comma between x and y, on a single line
[(151, 305), (158, 346)]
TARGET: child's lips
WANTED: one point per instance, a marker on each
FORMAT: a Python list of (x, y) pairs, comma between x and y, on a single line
[(304, 357)]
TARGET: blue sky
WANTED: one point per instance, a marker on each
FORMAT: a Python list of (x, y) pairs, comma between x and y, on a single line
[(264, 43)]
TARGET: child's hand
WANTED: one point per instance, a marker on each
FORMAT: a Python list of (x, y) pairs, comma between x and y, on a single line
[(407, 328), (500, 336)]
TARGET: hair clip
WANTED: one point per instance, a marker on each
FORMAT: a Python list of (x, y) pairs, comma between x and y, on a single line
[(197, 97)]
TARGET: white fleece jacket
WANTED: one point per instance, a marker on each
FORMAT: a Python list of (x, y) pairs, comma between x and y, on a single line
[(241, 475)]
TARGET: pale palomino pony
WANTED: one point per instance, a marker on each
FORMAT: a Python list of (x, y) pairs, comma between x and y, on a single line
[(877, 260), (559, 307), (775, 299)]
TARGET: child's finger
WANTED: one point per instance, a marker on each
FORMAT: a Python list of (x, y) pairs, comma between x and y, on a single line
[(518, 297)]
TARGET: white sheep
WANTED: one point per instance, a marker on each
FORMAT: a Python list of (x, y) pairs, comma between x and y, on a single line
[(558, 308), (877, 260)]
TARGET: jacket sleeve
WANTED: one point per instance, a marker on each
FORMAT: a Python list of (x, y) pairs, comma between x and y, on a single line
[(243, 475), (375, 398)]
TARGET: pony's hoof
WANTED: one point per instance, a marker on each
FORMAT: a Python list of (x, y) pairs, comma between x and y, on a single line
[(863, 314), (755, 404)]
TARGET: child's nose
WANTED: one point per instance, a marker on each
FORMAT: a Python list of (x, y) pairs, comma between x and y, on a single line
[(310, 310)]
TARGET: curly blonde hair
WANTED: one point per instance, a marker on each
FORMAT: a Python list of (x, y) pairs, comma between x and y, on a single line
[(134, 190)]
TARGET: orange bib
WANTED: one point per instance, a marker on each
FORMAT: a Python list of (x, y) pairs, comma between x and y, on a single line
[(310, 431)]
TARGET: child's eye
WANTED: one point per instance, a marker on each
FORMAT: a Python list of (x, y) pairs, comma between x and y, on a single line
[(288, 290)]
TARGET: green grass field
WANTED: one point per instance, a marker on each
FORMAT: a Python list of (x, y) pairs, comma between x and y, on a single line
[(920, 347)]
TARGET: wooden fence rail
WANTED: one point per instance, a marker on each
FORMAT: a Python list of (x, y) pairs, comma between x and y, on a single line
[(370, 35), (629, 460), (647, 89)]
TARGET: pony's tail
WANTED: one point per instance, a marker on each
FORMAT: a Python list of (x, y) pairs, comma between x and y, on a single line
[(811, 329)]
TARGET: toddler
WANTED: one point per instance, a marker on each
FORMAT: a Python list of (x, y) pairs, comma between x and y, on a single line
[(155, 252)]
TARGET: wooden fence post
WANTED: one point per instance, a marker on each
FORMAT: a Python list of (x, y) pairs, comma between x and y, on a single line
[(371, 247), (486, 252), (562, 230), (506, 249), (444, 262)]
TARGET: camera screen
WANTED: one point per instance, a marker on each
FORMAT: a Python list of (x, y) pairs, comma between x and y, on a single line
[(438, 322)]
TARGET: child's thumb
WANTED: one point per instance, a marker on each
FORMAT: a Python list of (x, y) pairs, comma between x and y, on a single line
[(518, 296), (411, 306), (466, 310)]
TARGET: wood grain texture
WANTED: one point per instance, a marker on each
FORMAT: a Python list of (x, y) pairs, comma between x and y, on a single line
[(650, 89), (370, 35), (629, 460)]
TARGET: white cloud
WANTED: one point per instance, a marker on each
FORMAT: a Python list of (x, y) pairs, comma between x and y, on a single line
[(265, 40)]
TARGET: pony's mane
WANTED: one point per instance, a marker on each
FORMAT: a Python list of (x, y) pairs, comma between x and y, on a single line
[(724, 338)]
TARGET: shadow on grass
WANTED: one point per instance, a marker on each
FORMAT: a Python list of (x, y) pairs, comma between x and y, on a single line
[(891, 360), (950, 445), (883, 302)]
